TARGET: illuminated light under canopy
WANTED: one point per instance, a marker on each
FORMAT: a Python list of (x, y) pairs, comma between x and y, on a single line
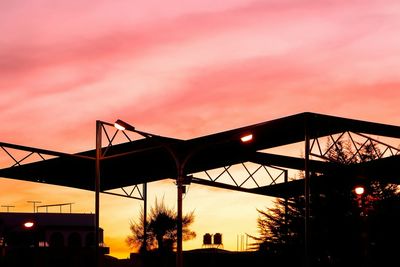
[(359, 190), (28, 224), (246, 138)]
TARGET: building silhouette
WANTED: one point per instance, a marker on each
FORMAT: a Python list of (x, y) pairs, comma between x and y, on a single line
[(48, 238)]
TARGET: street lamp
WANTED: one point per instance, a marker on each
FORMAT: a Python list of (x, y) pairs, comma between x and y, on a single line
[(359, 190), (180, 180), (122, 126)]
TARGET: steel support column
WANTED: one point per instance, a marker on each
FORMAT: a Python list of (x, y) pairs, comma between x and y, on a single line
[(97, 193), (286, 210), (307, 197), (145, 216), (179, 184)]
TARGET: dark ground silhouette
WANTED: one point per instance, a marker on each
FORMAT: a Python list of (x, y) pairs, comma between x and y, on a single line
[(198, 258)]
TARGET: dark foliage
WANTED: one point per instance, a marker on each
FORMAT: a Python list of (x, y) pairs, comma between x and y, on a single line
[(345, 229), (161, 229)]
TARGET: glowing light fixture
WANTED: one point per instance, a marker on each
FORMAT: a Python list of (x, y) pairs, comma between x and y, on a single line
[(119, 126), (246, 138), (28, 224), (359, 190)]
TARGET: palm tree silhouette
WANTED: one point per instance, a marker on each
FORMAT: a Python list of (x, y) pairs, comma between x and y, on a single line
[(161, 229)]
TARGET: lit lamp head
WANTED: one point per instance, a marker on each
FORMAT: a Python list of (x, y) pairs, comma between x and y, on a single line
[(29, 224), (246, 138), (119, 127), (359, 190), (122, 126)]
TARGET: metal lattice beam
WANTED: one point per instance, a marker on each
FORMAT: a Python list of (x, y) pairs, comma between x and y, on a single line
[(134, 192), (352, 143), (236, 177)]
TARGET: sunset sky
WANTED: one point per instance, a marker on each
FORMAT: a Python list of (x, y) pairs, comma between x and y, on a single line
[(185, 69)]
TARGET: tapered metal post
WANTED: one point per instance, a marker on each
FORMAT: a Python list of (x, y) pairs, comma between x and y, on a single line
[(307, 198), (179, 184), (145, 216), (97, 193), (286, 209)]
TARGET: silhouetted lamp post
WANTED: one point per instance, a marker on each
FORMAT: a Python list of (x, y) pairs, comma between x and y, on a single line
[(122, 126), (360, 191), (180, 183)]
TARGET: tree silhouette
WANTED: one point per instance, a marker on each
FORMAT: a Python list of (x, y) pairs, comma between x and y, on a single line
[(345, 229), (161, 229)]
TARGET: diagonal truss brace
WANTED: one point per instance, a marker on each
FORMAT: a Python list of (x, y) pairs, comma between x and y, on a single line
[(269, 177), (13, 152), (136, 192), (31, 151), (356, 142)]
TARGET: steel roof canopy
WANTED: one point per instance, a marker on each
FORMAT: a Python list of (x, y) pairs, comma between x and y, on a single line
[(148, 159)]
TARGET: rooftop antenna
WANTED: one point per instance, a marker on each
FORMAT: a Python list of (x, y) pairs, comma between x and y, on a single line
[(8, 207), (34, 204), (56, 205)]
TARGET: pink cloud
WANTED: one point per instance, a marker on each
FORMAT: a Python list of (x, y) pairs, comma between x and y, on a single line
[(219, 69)]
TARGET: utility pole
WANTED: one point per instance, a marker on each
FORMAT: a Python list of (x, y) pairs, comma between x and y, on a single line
[(8, 207), (34, 204)]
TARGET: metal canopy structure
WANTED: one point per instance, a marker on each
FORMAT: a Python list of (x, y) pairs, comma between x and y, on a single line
[(154, 158), (217, 158)]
